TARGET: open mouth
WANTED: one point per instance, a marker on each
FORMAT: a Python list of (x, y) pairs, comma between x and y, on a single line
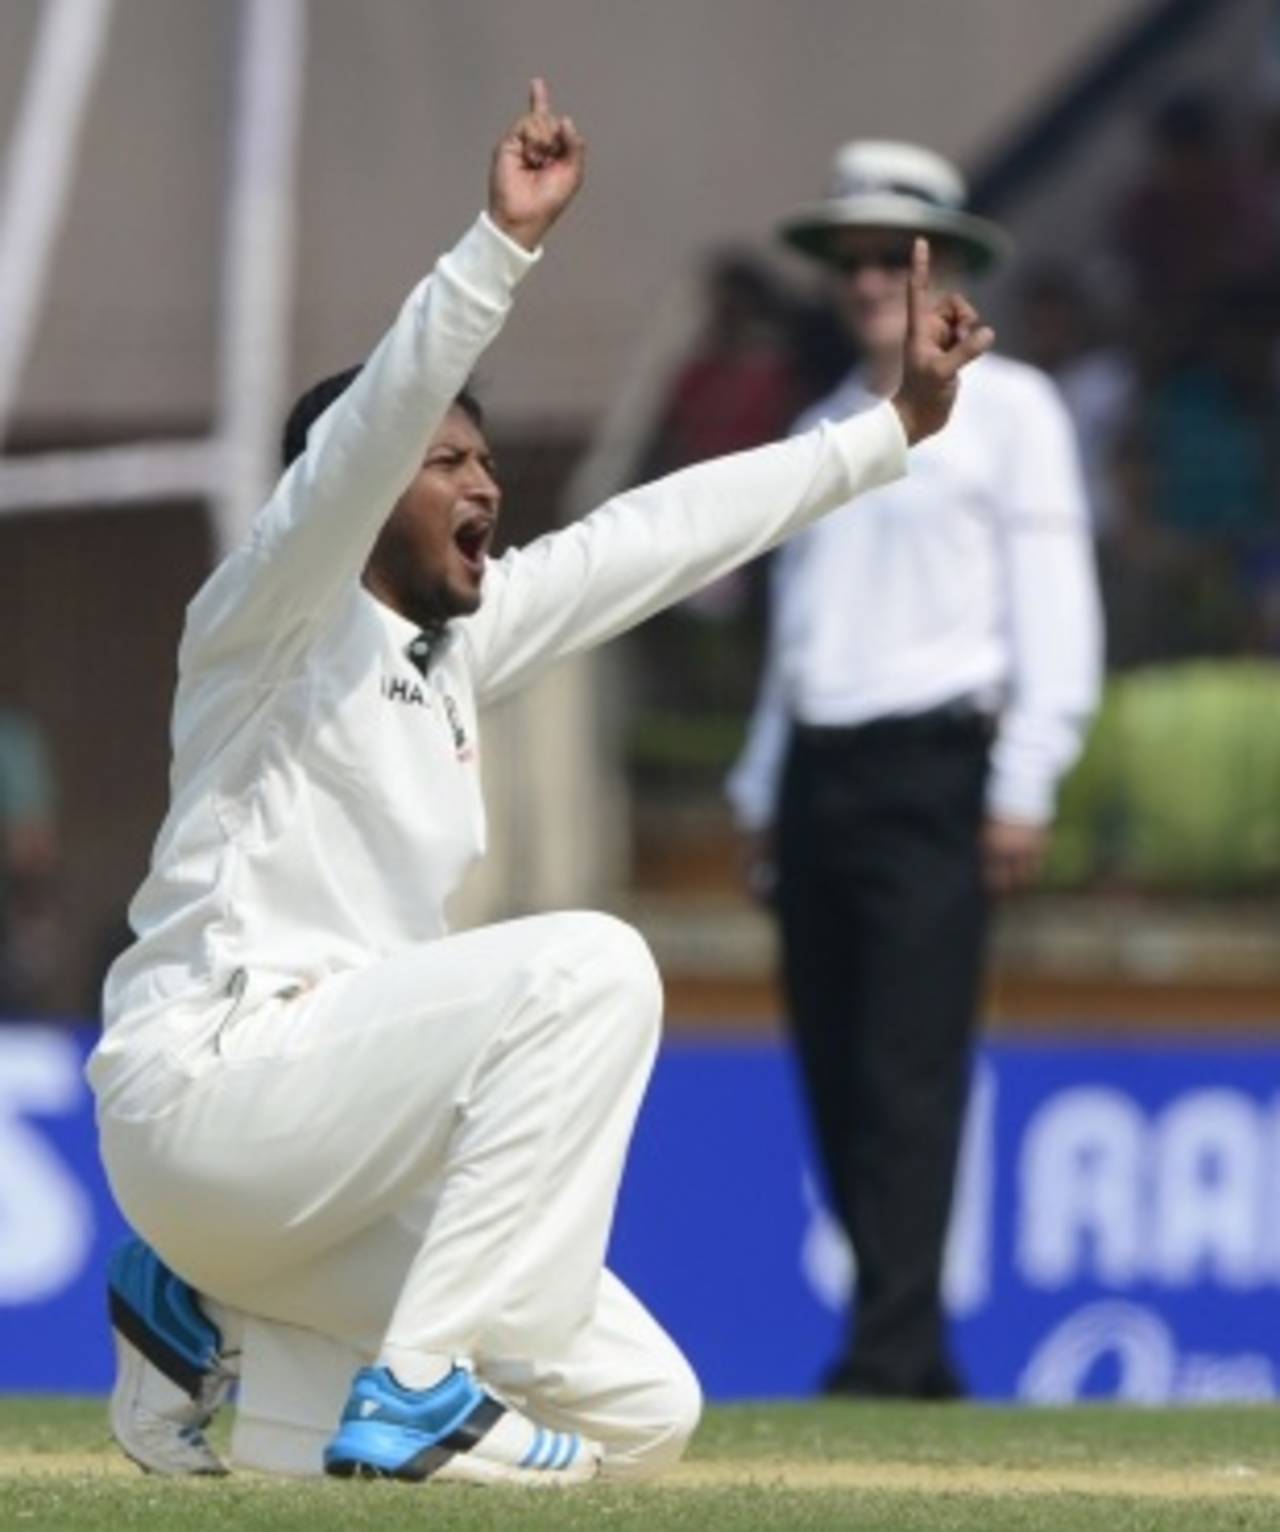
[(472, 538)]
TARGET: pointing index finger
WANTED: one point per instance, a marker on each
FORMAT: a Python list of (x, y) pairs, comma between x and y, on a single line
[(539, 95), (918, 285)]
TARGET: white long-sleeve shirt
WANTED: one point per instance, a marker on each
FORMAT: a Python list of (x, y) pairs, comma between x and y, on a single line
[(325, 792), (972, 579)]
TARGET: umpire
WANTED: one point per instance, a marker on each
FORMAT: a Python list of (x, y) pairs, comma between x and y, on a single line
[(933, 662)]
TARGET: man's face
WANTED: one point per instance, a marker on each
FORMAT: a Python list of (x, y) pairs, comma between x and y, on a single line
[(870, 268), (428, 563)]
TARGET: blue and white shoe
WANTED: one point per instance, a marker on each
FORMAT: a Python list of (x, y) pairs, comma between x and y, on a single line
[(171, 1374), (456, 1431)]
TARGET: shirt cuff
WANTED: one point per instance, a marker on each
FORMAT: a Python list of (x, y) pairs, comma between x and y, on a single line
[(752, 808), (873, 445), (1020, 799), (485, 265), (513, 258)]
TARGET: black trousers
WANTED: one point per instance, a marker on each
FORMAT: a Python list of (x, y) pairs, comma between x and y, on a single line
[(883, 919)]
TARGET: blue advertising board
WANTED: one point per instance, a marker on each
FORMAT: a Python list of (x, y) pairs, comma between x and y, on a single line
[(1116, 1233)]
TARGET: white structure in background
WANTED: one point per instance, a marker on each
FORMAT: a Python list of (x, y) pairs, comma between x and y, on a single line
[(234, 467), (546, 789), (38, 172)]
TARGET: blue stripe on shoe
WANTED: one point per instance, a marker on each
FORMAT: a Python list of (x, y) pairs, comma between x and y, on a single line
[(530, 1459)]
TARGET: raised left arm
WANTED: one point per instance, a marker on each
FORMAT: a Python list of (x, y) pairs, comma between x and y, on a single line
[(648, 548)]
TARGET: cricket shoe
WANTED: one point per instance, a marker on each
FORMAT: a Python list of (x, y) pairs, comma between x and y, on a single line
[(456, 1431), (171, 1374)]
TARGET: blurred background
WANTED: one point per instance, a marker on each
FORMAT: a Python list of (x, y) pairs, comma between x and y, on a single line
[(205, 206)]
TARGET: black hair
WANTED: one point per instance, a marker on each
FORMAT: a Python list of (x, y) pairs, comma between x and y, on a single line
[(309, 407)]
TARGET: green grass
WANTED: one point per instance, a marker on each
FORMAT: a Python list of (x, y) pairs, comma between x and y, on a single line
[(950, 1469)]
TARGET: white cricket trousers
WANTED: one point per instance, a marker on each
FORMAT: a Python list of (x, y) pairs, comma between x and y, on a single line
[(422, 1156)]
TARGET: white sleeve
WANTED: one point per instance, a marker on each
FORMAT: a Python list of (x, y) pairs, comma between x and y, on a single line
[(651, 546), (755, 780), (1053, 612), (313, 537)]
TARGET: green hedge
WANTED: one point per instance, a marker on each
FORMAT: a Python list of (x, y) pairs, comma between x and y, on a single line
[(1179, 787)]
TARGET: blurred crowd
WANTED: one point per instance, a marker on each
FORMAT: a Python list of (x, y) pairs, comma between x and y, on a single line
[(1171, 370), (29, 922)]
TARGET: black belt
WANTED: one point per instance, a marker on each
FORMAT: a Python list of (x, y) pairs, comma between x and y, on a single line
[(963, 716)]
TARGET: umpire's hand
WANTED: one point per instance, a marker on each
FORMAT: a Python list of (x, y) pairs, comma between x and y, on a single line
[(943, 335), (1012, 854)]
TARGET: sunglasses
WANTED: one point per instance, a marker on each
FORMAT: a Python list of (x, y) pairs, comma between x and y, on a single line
[(893, 258)]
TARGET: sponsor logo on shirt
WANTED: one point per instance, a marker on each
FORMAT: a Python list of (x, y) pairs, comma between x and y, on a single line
[(397, 689), (413, 694), (461, 746)]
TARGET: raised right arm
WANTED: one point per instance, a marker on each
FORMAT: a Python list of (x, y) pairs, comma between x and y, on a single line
[(315, 534)]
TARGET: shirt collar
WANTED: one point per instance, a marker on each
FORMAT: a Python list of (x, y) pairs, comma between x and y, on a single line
[(410, 639), (423, 647)]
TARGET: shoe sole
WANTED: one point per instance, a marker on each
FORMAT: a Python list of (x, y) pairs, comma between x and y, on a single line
[(473, 1470), (468, 1469)]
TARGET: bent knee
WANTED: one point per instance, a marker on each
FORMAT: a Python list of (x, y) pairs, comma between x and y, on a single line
[(615, 955), (658, 1441)]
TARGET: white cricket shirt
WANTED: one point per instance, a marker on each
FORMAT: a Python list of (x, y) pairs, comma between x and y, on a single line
[(972, 579), (325, 793)]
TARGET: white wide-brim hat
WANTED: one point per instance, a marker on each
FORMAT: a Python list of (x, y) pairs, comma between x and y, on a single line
[(882, 184)]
